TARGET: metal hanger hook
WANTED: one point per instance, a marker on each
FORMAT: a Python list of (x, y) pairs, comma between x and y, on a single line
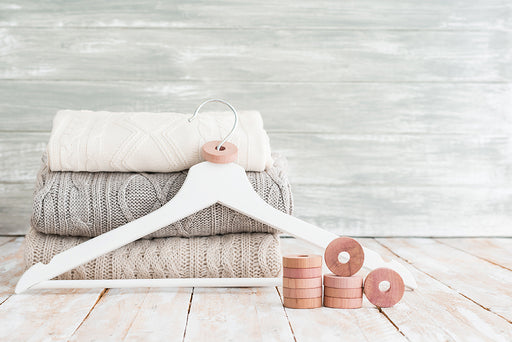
[(230, 107)]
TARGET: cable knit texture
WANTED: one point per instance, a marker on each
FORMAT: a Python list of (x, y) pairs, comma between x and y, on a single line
[(222, 256), (150, 142), (90, 204)]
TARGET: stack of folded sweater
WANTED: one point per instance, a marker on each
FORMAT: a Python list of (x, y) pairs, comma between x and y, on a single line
[(102, 170)]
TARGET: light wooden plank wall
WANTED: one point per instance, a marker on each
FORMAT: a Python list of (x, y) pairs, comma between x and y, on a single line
[(395, 116)]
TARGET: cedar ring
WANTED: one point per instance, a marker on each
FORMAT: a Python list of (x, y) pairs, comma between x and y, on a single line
[(302, 273), (388, 298), (302, 303), (304, 283), (343, 293), (228, 152), (344, 244), (302, 260), (343, 303), (314, 292), (332, 280)]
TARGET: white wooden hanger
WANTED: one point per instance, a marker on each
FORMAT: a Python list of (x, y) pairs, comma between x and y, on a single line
[(207, 183)]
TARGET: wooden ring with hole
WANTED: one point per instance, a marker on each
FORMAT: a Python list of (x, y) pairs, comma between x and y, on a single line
[(300, 273), (302, 293), (294, 283), (388, 298), (332, 280), (302, 303), (343, 293), (344, 244), (343, 303), (302, 261), (228, 152)]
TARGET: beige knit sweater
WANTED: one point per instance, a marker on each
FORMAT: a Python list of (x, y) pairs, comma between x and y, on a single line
[(231, 255), (90, 204)]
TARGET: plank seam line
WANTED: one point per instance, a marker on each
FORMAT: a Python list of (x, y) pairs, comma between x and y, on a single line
[(102, 293), (6, 298), (137, 314), (286, 314), (283, 81), (7, 241), (259, 28), (443, 283), (480, 305), (369, 135), (188, 313), (393, 323), (476, 256)]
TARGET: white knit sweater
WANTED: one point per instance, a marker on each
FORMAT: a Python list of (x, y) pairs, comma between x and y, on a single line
[(150, 142)]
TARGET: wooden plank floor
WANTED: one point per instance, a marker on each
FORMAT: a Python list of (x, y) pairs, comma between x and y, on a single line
[(464, 294)]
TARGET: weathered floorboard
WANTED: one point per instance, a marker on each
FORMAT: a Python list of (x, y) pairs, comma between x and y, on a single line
[(482, 282), (237, 314), (137, 314), (46, 315), (368, 14), (39, 314), (11, 265), (497, 251), (435, 312), (257, 55)]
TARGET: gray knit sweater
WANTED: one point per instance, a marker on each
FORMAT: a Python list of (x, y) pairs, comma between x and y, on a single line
[(231, 255), (90, 204)]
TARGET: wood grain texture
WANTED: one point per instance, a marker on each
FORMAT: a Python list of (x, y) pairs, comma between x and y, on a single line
[(244, 314), (406, 211), (404, 107), (436, 312), (39, 314), (367, 192), (325, 107), (11, 265), (425, 160), (46, 315), (496, 251), (15, 207), (486, 284), (258, 55), (140, 314), (226, 14)]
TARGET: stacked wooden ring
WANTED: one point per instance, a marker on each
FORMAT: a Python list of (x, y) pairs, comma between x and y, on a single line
[(343, 289), (302, 281)]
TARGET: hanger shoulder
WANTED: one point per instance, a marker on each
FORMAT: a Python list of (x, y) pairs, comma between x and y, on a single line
[(240, 196), (195, 194)]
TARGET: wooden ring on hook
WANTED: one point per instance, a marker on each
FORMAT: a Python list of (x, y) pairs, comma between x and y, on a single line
[(389, 297), (340, 245), (228, 152)]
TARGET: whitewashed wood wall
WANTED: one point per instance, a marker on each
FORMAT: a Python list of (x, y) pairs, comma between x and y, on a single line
[(396, 116)]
